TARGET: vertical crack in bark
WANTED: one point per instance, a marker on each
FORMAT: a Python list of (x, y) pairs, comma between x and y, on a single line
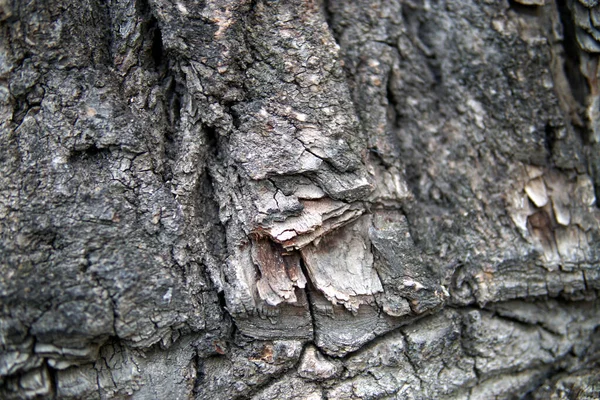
[(571, 58), (308, 290), (157, 50)]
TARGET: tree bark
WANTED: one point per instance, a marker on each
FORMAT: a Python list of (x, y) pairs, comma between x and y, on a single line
[(299, 199)]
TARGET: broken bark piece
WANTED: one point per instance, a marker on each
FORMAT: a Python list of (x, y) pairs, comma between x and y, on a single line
[(536, 190), (280, 272), (561, 211), (311, 192), (559, 189), (542, 231), (341, 265), (519, 208), (249, 297), (317, 218)]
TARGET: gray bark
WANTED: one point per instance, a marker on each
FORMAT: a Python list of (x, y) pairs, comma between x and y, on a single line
[(299, 199)]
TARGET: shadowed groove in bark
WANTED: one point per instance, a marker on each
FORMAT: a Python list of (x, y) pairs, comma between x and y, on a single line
[(572, 67)]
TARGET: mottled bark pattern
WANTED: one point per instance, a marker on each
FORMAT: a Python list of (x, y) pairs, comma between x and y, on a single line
[(299, 199)]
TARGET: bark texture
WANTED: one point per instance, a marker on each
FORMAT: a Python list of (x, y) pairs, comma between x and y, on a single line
[(299, 199)]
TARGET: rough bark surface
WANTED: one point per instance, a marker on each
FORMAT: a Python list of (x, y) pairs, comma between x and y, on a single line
[(299, 199)]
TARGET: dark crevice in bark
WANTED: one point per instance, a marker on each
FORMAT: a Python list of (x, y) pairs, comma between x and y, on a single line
[(212, 142), (392, 115), (328, 16), (92, 153), (153, 42), (157, 50), (309, 289), (53, 381), (20, 110), (103, 55), (217, 243), (252, 6), (549, 141), (577, 81), (200, 375), (174, 91), (235, 116), (233, 329)]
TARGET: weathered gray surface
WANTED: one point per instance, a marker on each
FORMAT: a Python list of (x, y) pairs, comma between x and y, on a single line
[(299, 199)]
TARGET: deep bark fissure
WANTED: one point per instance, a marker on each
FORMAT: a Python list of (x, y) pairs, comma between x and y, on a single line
[(571, 65), (308, 291), (157, 51)]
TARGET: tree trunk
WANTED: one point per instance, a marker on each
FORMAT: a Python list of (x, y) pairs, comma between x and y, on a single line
[(299, 199)]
